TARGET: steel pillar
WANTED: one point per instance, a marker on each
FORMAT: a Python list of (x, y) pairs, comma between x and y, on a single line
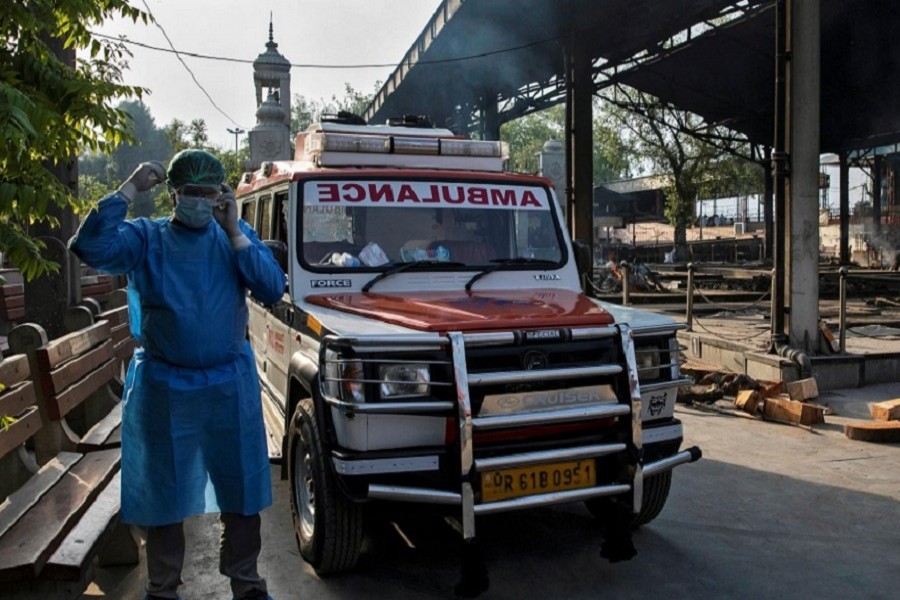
[(490, 119), (579, 141), (802, 218), (877, 168), (768, 205), (845, 207)]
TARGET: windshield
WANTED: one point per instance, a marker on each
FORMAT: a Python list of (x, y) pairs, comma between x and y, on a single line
[(378, 224)]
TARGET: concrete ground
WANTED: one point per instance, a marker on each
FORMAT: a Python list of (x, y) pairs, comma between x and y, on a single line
[(770, 511)]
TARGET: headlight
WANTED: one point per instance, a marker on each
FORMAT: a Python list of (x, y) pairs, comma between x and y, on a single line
[(344, 378), (647, 363), (404, 380)]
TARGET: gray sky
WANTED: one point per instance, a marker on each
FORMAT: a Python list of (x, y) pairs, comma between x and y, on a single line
[(329, 32)]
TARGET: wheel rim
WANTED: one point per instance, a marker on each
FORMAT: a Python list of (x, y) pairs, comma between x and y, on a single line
[(304, 488)]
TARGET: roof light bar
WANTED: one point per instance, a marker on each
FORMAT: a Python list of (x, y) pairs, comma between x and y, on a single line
[(320, 142), (475, 148)]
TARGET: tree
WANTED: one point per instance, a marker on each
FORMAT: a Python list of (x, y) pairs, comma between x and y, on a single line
[(527, 135), (305, 111), (150, 143), (51, 112), (183, 135), (680, 144)]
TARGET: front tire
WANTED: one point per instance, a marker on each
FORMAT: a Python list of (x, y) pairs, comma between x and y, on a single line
[(656, 492), (327, 524)]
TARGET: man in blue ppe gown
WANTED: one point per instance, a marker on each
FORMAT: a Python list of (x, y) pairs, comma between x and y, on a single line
[(193, 438)]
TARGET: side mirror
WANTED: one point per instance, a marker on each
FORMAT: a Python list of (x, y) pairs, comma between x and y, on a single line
[(279, 250), (583, 261)]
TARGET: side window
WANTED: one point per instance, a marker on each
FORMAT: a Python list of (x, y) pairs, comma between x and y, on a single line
[(279, 213), (248, 212), (265, 218)]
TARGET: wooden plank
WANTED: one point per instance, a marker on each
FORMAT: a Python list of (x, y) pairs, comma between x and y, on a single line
[(73, 558), (7, 302), (116, 316), (881, 432), (14, 369), (115, 438), (38, 533), (888, 410), (97, 438), (77, 368), (97, 289), (12, 289), (120, 333), (803, 389), (68, 346), (781, 409), (21, 501), (25, 426), (59, 406), (17, 398), (748, 401), (125, 349), (15, 314)]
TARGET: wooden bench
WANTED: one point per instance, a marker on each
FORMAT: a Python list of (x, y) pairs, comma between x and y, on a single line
[(12, 302), (72, 376), (54, 520), (97, 286)]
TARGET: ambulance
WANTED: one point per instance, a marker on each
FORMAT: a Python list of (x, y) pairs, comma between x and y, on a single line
[(435, 346)]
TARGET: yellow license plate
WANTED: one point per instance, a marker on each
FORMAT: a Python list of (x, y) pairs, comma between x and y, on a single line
[(540, 479)]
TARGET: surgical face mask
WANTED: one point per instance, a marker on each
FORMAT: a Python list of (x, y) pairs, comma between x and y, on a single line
[(194, 211)]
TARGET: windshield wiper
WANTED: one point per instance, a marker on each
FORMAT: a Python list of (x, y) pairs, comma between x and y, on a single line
[(505, 263), (399, 268)]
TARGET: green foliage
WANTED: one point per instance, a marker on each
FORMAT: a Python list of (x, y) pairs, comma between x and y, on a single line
[(305, 111), (527, 135), (51, 112), (183, 135)]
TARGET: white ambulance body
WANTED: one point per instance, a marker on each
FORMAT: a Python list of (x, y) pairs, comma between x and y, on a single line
[(434, 345)]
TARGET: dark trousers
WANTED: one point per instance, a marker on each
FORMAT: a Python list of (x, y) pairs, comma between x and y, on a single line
[(239, 549)]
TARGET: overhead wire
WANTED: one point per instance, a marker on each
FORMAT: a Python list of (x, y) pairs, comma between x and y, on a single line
[(190, 72), (437, 61)]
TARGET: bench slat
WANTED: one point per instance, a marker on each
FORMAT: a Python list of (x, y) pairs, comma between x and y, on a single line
[(98, 437), (68, 346), (17, 398), (7, 302), (59, 406), (12, 289), (71, 560), (14, 369), (25, 426), (125, 349), (38, 533), (18, 503), (73, 370), (116, 316), (120, 333), (115, 438)]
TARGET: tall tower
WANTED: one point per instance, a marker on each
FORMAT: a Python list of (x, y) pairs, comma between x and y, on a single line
[(270, 139), (272, 71)]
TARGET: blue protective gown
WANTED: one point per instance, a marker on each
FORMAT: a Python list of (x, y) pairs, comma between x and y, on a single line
[(193, 437)]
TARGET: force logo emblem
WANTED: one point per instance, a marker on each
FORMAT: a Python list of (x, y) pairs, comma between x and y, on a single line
[(330, 283)]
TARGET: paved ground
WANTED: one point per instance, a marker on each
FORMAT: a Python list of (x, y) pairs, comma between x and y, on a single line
[(771, 511)]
